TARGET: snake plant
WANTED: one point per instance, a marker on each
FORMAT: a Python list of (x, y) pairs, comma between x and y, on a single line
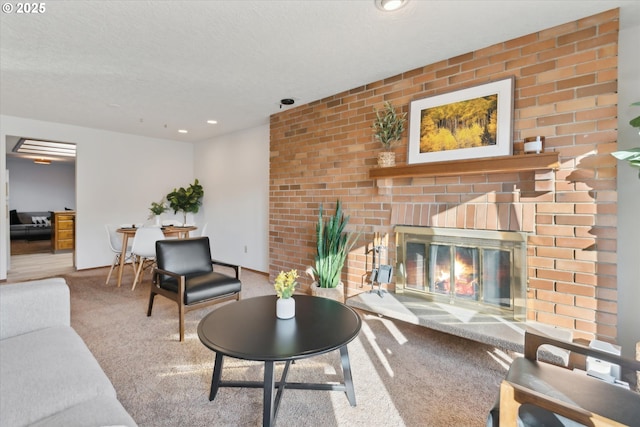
[(333, 245)]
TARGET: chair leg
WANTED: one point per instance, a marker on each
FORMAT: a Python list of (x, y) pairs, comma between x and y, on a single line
[(181, 316), (152, 296), (135, 279), (116, 260)]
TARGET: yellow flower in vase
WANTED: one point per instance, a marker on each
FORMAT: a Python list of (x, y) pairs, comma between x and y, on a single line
[(286, 283)]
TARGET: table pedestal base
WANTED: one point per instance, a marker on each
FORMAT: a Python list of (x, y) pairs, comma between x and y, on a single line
[(271, 397)]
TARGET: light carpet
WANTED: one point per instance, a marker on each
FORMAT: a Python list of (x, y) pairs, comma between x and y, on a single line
[(403, 374)]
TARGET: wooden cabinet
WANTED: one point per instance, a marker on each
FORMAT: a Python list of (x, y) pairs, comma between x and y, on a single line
[(64, 230)]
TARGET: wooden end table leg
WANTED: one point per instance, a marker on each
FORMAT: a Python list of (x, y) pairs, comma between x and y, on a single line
[(346, 372), (216, 377)]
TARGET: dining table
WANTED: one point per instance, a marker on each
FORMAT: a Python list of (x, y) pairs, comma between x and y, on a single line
[(181, 232)]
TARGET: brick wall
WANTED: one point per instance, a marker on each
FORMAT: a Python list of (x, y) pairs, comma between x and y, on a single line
[(565, 89)]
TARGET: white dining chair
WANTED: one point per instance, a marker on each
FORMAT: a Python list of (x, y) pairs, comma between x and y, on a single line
[(115, 243), (203, 230), (144, 250)]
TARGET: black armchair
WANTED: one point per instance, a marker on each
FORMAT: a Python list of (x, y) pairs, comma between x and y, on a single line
[(184, 274)]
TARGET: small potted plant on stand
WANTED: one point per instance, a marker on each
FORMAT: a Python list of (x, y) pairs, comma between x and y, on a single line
[(285, 285), (186, 200), (157, 209), (333, 245), (387, 128)]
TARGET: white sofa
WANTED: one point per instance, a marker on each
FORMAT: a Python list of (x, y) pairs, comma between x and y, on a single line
[(48, 376)]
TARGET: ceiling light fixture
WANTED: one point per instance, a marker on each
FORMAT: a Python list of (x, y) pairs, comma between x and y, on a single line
[(212, 122), (45, 148), (390, 5), (183, 131), (286, 101), (42, 161)]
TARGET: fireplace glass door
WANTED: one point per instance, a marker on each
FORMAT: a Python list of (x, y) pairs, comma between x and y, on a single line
[(454, 271), (464, 267), (496, 277)]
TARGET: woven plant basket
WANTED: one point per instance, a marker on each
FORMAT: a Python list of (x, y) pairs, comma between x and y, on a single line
[(336, 293), (386, 159)]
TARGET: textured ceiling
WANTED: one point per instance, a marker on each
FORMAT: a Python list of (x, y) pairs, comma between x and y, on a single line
[(153, 67)]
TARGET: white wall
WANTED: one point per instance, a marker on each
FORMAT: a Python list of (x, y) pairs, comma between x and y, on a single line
[(628, 183), (34, 187), (117, 178), (234, 170)]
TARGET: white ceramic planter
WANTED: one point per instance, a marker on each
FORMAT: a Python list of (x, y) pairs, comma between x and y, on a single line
[(285, 308)]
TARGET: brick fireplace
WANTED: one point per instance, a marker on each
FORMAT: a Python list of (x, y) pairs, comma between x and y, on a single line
[(565, 90)]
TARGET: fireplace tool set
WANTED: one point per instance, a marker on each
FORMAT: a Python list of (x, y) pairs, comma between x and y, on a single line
[(381, 273)]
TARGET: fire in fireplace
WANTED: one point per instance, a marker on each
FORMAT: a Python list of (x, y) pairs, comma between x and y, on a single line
[(482, 268)]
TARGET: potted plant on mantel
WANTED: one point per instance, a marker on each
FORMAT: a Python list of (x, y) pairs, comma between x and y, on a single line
[(631, 155), (387, 128), (333, 245), (186, 200)]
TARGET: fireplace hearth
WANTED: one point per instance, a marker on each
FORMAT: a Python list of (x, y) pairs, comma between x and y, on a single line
[(481, 269)]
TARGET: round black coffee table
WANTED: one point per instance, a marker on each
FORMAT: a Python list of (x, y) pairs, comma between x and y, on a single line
[(249, 329)]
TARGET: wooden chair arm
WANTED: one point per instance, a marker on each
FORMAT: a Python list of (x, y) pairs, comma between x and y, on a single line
[(180, 279), (235, 267), (512, 396), (533, 341), (159, 271)]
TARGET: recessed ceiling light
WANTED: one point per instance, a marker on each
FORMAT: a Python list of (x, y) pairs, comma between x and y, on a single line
[(212, 122), (390, 5), (183, 131)]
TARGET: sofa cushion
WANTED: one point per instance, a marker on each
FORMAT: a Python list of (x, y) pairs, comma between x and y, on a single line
[(25, 218), (41, 221), (13, 217), (98, 412), (37, 304), (35, 368)]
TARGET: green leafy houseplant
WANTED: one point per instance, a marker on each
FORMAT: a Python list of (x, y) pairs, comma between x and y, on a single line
[(186, 200), (158, 208), (388, 125), (631, 155), (333, 245)]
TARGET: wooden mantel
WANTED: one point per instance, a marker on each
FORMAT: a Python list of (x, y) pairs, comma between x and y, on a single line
[(501, 164)]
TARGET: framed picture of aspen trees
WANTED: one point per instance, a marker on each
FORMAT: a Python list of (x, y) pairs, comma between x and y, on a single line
[(469, 123)]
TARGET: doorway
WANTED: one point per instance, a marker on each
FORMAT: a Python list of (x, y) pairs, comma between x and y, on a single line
[(41, 181)]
